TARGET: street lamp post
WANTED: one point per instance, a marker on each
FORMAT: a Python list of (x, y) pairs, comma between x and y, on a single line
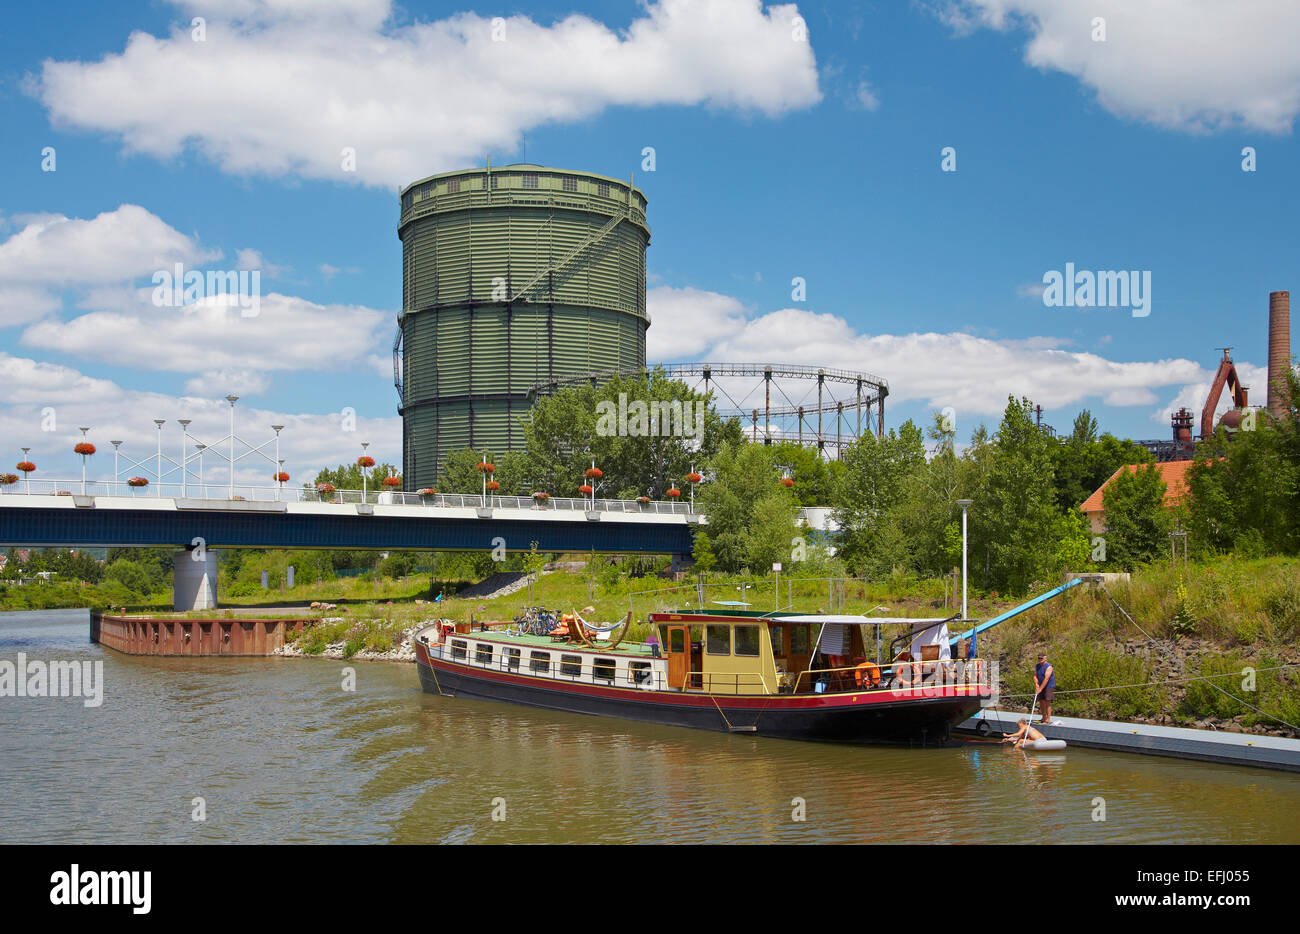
[(279, 469), (83, 462), (364, 445), (27, 477), (232, 399), (185, 461), (116, 445), (200, 447), (964, 504), (158, 474)]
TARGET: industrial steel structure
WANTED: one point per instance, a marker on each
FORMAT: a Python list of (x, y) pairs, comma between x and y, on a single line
[(814, 406), (510, 276)]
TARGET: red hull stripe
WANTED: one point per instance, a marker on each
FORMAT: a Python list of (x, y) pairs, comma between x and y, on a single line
[(691, 699)]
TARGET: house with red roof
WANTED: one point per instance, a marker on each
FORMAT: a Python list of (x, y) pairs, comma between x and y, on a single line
[(1173, 473)]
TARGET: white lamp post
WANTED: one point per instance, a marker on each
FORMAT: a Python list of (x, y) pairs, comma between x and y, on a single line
[(83, 462), (116, 445), (232, 399), (185, 433), (27, 477), (364, 472), (200, 447), (158, 474), (279, 469), (964, 504)]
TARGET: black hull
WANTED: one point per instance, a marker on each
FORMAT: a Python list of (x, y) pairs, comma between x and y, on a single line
[(910, 720)]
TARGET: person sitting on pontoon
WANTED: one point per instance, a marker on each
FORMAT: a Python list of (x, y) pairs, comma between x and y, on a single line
[(1025, 733)]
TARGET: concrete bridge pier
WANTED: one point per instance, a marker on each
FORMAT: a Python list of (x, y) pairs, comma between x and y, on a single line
[(194, 579)]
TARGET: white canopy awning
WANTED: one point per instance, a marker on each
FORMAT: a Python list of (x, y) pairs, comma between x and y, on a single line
[(859, 620)]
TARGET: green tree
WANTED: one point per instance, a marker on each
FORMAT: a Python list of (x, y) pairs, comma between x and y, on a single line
[(870, 496), (1137, 522)]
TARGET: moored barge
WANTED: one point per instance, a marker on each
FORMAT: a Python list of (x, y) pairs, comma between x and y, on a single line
[(778, 674)]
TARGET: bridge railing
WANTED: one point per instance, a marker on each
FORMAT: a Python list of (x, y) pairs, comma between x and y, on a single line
[(45, 487)]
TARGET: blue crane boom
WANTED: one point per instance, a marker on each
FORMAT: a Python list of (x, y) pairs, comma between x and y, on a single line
[(1016, 611)]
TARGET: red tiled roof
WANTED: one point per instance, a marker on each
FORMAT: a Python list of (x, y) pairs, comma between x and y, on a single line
[(1174, 473)]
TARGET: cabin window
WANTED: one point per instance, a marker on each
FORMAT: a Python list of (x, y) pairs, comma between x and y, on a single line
[(530, 180), (799, 640), (570, 183), (510, 657), (458, 648), (746, 640), (639, 672), (483, 653), (677, 640), (602, 669), (571, 665), (539, 662), (717, 640), (778, 640)]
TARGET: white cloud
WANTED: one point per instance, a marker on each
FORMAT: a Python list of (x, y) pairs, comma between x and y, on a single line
[(974, 374), (214, 383), (284, 86), (287, 333), (51, 252), (1189, 65), (309, 442), (684, 322)]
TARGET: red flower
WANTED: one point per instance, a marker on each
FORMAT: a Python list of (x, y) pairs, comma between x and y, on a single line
[(694, 477), (787, 482), (486, 467), (493, 485), (324, 488), (674, 492), (84, 448), (8, 478), (594, 473), (137, 481), (584, 490), (643, 500), (428, 491), (26, 466), (541, 495), (392, 481), (365, 461), (282, 477)]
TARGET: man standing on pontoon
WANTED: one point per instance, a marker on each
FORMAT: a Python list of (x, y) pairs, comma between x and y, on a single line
[(1045, 687)]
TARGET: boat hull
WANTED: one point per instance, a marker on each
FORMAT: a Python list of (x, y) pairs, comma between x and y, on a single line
[(919, 716)]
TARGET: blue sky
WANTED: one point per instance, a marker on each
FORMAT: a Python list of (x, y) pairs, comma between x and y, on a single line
[(774, 158)]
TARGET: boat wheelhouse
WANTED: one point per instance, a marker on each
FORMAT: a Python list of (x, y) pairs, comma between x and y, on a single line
[(773, 674)]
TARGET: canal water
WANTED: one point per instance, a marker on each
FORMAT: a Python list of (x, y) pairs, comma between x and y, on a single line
[(278, 751)]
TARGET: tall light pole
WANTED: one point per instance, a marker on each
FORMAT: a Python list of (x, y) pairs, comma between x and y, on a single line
[(201, 447), (279, 464), (964, 504), (27, 477), (185, 460), (364, 445), (232, 399), (83, 462), (116, 445), (158, 472)]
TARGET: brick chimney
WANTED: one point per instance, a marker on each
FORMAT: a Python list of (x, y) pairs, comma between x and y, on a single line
[(1279, 353)]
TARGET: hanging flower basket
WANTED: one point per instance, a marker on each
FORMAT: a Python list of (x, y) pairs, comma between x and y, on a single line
[(365, 460), (8, 478), (282, 477), (325, 489), (26, 466), (392, 482), (787, 482), (585, 490), (674, 492), (541, 496), (84, 448), (643, 500), (493, 485), (428, 491), (486, 467), (138, 481), (593, 473), (694, 477)]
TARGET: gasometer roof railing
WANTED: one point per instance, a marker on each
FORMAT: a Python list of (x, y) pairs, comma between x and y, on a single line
[(781, 401)]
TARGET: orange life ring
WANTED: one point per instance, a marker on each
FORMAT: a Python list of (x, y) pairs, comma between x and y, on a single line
[(868, 673), (907, 672)]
